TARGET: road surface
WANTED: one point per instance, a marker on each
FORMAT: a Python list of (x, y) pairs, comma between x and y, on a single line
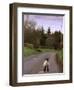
[(34, 64)]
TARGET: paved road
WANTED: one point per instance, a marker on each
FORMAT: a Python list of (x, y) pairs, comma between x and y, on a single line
[(34, 64)]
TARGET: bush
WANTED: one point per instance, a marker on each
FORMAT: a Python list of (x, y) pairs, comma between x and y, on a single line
[(28, 45)]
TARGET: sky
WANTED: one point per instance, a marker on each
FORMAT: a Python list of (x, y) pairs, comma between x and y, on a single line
[(53, 21)]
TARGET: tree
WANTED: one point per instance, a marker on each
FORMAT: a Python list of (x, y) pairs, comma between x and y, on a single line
[(31, 34), (50, 41), (32, 24), (36, 38), (49, 31), (43, 38), (29, 28), (57, 39)]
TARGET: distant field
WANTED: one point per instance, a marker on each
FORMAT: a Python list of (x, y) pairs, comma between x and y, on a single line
[(32, 51)]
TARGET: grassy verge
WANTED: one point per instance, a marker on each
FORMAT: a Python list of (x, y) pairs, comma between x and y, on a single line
[(59, 59), (32, 51), (60, 55), (29, 51)]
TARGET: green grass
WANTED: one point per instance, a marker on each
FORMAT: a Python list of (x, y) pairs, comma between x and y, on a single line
[(29, 51), (60, 53)]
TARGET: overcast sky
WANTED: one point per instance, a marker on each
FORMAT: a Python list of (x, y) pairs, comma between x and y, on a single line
[(54, 22)]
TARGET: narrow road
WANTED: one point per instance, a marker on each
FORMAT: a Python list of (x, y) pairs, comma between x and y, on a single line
[(34, 64)]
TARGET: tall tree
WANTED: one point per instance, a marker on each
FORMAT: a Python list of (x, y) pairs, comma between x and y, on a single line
[(57, 39), (43, 38), (49, 30)]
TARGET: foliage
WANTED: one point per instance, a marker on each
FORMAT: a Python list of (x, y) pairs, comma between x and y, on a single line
[(36, 37), (57, 39), (43, 38)]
